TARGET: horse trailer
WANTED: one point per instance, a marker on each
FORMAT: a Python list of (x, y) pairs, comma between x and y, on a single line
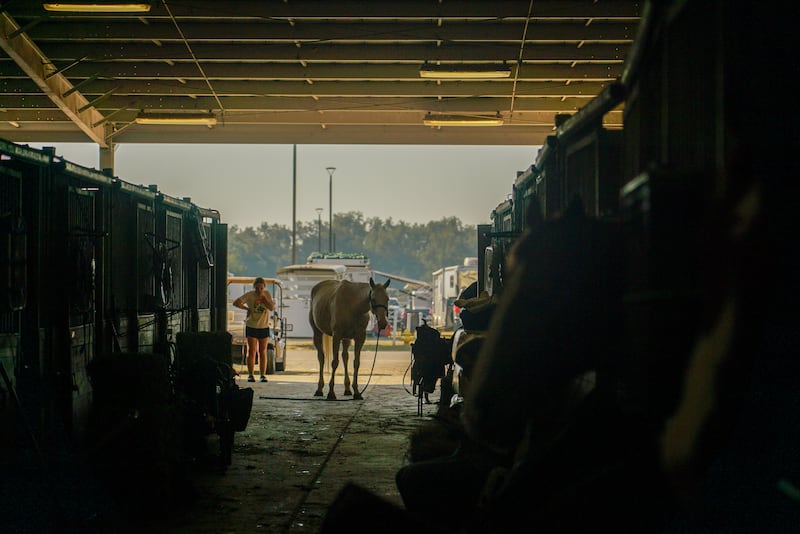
[(448, 283)]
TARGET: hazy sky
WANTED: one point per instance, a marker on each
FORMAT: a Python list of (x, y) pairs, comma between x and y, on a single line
[(251, 184)]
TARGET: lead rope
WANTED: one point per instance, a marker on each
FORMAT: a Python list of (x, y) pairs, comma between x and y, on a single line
[(374, 358)]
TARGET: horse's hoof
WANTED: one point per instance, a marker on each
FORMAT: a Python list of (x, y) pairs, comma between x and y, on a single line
[(331, 396), (318, 393), (358, 396), (348, 392)]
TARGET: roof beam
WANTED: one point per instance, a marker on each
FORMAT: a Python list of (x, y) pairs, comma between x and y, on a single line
[(344, 134), (317, 71), (165, 104), (33, 62), (227, 32), (303, 134), (309, 71), (349, 9), (408, 88), (398, 117), (248, 52)]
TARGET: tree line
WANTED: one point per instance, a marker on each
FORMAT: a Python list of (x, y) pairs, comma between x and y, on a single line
[(409, 250)]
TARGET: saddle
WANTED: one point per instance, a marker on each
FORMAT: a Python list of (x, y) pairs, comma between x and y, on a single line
[(431, 353)]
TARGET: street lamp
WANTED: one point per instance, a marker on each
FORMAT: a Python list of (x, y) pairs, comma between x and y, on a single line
[(319, 230), (330, 207)]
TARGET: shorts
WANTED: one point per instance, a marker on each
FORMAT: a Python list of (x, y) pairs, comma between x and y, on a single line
[(258, 333)]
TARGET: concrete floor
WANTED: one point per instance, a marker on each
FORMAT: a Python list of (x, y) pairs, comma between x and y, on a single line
[(298, 450)]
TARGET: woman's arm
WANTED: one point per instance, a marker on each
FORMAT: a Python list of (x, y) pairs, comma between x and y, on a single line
[(239, 303)]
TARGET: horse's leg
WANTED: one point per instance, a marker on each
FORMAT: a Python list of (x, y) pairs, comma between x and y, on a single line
[(359, 342), (321, 358), (334, 365), (345, 357)]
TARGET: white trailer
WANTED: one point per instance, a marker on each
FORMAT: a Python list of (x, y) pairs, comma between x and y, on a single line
[(297, 283), (448, 283), (356, 266)]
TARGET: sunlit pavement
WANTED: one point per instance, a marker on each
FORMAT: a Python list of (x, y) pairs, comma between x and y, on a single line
[(389, 364)]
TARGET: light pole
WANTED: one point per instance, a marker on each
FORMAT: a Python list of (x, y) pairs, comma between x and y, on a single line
[(319, 230), (330, 170)]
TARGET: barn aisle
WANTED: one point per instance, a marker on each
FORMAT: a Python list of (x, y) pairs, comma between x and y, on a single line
[(298, 451)]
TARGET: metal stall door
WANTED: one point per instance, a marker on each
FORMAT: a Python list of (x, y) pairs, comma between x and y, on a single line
[(145, 280), (83, 241), (27, 396), (581, 171), (219, 277), (204, 269), (12, 295), (592, 170), (120, 270), (171, 277)]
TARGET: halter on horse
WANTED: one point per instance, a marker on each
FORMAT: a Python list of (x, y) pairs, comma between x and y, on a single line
[(340, 313)]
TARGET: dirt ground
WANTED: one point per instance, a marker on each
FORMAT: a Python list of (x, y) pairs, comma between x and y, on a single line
[(298, 450)]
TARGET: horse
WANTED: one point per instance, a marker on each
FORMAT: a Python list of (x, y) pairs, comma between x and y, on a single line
[(566, 310), (556, 321), (339, 314), (554, 328)]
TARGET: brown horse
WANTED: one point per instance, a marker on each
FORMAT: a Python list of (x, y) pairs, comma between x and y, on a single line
[(340, 313), (557, 319)]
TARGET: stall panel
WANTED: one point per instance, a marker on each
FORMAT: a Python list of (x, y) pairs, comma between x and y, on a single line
[(81, 353), (12, 281), (204, 323), (82, 241), (690, 120), (171, 277), (580, 172), (174, 324), (125, 335), (145, 245), (219, 290), (523, 193), (592, 171), (121, 263), (205, 265), (145, 332), (660, 216), (79, 282), (502, 237), (549, 182)]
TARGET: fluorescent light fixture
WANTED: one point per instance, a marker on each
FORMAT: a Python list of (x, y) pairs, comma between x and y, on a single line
[(120, 7), (177, 118), (464, 72), (461, 120)]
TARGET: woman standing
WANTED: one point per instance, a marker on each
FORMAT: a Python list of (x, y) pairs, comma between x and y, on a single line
[(259, 305)]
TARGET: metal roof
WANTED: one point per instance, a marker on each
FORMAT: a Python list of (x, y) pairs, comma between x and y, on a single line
[(307, 71)]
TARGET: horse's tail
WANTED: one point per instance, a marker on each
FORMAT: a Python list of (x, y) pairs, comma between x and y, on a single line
[(327, 351)]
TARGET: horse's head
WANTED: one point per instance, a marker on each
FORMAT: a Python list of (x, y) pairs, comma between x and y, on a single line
[(379, 301), (554, 321)]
